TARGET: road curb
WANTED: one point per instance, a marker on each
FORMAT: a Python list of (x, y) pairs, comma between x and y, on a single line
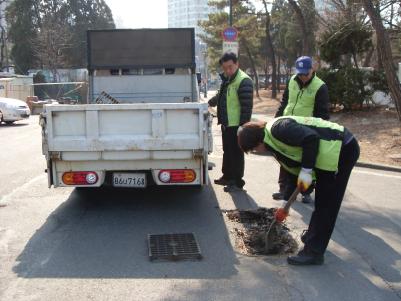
[(378, 166)]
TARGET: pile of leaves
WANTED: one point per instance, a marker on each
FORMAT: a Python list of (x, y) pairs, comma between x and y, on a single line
[(250, 230)]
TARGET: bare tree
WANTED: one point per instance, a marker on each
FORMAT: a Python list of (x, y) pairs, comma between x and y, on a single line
[(306, 48), (384, 50), (253, 65), (3, 36), (51, 40), (270, 50)]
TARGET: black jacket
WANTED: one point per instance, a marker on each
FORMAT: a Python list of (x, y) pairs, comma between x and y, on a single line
[(245, 96), (321, 108), (290, 132)]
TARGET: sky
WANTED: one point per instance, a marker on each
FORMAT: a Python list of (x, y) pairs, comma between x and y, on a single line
[(139, 13), (142, 13)]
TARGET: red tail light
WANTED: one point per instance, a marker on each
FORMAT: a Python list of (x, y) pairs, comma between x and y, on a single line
[(80, 178), (177, 175)]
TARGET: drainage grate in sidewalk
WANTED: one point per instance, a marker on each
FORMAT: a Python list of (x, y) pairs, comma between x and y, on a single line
[(179, 246)]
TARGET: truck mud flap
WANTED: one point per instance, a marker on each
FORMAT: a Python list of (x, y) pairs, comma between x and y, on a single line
[(49, 170)]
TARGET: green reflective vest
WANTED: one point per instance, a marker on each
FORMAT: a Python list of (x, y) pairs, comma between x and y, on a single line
[(330, 143), (301, 102), (233, 105)]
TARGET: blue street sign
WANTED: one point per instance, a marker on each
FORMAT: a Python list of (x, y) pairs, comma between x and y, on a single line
[(230, 34)]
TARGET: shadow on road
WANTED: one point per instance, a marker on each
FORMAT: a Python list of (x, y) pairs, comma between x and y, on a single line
[(363, 233), (103, 234), (242, 200)]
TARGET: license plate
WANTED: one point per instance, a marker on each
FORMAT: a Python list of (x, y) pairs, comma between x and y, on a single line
[(137, 180)]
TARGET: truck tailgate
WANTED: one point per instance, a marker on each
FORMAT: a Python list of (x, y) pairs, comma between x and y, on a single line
[(126, 127)]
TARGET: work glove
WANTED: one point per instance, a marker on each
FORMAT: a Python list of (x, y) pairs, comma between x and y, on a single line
[(304, 179)]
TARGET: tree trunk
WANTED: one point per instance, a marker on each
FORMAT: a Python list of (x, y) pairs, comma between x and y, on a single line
[(2, 45), (278, 73), (270, 51), (355, 60), (368, 57), (251, 59), (306, 48), (266, 71), (383, 45)]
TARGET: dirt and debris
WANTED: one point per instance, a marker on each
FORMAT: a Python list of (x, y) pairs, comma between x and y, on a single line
[(250, 228), (377, 129)]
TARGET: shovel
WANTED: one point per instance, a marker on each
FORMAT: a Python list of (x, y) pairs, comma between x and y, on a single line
[(279, 216)]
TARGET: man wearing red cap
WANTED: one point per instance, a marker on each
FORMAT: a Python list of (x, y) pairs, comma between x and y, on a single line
[(305, 95)]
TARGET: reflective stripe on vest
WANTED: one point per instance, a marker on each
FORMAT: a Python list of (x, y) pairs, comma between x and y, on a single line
[(301, 102), (329, 143), (233, 105)]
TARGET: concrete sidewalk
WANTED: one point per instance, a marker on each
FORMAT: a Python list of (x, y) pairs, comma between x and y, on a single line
[(371, 165)]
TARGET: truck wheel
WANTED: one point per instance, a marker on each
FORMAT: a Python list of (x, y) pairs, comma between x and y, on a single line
[(1, 117)]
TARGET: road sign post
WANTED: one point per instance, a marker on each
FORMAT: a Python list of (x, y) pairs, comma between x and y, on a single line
[(230, 47), (230, 36)]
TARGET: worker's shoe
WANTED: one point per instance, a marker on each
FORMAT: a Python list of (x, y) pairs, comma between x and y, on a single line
[(307, 199), (305, 236), (278, 196), (306, 257), (223, 181)]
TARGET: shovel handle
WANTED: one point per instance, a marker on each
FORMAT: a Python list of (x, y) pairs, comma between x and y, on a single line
[(291, 200)]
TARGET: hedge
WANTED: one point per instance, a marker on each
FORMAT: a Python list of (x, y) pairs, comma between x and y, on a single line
[(352, 88)]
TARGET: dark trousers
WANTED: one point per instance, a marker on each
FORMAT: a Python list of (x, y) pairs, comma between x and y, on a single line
[(329, 193), (233, 156)]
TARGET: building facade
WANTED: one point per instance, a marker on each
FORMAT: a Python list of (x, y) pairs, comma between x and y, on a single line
[(187, 13), (3, 6)]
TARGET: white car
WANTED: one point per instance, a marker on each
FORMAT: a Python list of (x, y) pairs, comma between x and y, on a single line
[(12, 110)]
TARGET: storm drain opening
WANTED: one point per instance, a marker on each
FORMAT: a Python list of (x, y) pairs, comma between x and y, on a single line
[(179, 246), (249, 228)]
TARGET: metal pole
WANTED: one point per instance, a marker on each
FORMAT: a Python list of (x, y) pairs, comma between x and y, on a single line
[(206, 77), (231, 13)]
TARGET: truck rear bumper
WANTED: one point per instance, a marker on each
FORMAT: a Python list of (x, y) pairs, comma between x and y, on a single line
[(105, 171)]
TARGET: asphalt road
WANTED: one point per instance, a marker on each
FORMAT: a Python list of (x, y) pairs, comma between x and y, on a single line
[(64, 244)]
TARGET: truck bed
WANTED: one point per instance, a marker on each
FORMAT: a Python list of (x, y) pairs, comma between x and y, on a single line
[(107, 137)]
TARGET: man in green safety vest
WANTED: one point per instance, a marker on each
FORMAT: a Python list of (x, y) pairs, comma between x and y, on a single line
[(308, 147), (234, 103), (305, 95)]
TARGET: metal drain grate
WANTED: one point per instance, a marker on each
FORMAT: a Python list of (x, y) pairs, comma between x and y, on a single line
[(173, 246)]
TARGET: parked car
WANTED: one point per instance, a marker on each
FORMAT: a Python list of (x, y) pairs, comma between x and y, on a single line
[(12, 110)]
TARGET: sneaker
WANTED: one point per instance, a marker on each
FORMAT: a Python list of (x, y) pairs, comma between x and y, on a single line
[(306, 257), (232, 188), (223, 181), (307, 199), (278, 196)]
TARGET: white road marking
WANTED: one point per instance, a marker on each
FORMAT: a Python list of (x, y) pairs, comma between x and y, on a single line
[(5, 198), (376, 174)]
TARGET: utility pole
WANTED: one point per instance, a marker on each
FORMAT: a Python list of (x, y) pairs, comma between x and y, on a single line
[(205, 67), (231, 13)]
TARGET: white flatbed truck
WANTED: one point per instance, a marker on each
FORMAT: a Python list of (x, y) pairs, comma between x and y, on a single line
[(155, 132)]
